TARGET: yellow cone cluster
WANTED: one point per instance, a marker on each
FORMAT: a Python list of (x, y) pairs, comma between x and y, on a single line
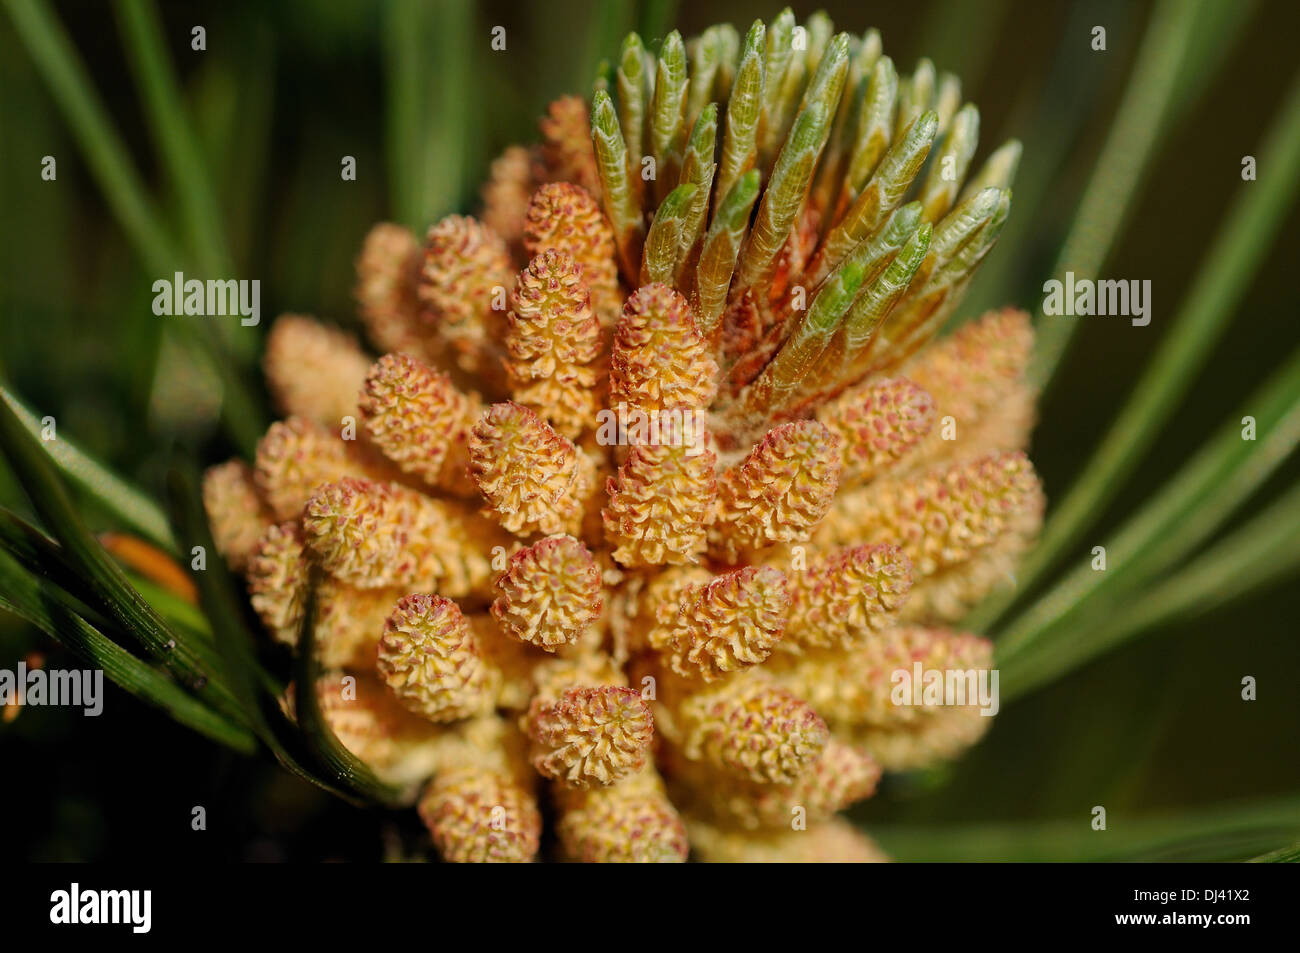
[(661, 474)]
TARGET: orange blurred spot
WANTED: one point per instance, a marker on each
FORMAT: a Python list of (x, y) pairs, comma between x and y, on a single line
[(14, 705), (152, 563)]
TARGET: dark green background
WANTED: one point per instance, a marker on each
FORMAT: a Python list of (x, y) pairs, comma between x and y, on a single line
[(285, 89)]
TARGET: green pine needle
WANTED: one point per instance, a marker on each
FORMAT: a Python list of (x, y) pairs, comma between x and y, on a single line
[(1239, 249)]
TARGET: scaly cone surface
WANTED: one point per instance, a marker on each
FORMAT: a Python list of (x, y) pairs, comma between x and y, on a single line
[(779, 493), (481, 806), (506, 193), (534, 480), (662, 471), (878, 424), (591, 736), (235, 511), (631, 822), (726, 624), (418, 419), (383, 534), (481, 817), (564, 217), (313, 371), (554, 341), (660, 503), (846, 597), (429, 658), (464, 278), (388, 271), (660, 360), (549, 593), (566, 144)]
